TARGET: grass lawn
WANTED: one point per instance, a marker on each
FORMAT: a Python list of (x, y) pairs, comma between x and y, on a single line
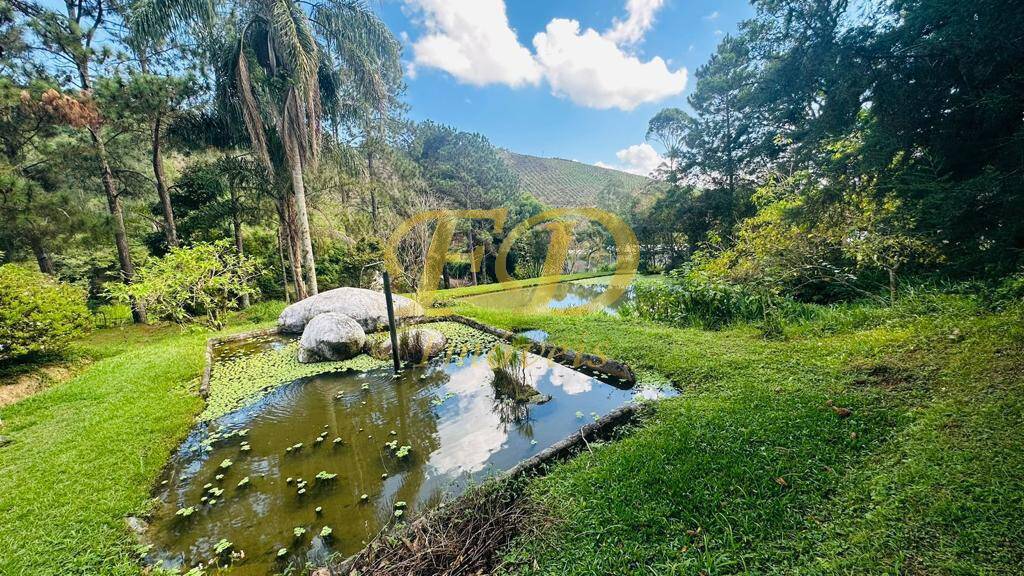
[(751, 470), (756, 468), (87, 451)]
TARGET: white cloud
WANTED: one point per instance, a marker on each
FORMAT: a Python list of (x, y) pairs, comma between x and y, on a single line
[(593, 71), (639, 159), (472, 41), (713, 16), (639, 19)]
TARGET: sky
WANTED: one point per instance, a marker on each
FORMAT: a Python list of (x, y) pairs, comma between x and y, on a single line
[(575, 79)]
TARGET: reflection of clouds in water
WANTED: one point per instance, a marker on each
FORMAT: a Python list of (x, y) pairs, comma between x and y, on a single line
[(570, 381), (467, 442)]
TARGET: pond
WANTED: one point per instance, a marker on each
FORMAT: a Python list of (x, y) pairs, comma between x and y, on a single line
[(268, 478), (556, 296)]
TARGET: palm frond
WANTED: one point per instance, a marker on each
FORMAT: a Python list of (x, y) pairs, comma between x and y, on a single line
[(362, 47), (155, 19)]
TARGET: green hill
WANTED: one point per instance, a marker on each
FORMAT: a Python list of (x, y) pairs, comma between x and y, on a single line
[(565, 183)]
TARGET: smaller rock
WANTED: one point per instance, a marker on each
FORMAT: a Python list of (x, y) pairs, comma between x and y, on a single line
[(331, 336), (5, 440), (414, 345), (137, 525)]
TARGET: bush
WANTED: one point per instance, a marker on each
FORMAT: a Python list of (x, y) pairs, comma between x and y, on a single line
[(197, 283), (696, 301), (38, 314)]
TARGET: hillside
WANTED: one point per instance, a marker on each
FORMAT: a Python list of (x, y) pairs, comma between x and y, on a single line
[(557, 182)]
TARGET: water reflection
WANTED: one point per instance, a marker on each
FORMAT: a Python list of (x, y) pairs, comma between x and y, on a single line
[(447, 414), (550, 296)]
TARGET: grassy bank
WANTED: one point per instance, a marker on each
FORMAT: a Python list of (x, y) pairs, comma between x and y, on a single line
[(85, 452), (871, 441)]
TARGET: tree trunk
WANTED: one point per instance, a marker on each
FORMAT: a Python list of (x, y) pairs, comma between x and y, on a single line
[(280, 255), (42, 256), (117, 214), (236, 224), (373, 192), (302, 219), (892, 286), (286, 207), (472, 256), (170, 229)]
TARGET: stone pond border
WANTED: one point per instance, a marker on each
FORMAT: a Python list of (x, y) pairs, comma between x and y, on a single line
[(601, 428)]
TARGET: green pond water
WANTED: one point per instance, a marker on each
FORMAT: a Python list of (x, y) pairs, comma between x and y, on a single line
[(556, 296), (457, 430)]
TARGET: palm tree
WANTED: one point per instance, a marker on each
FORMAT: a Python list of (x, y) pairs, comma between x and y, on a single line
[(288, 67)]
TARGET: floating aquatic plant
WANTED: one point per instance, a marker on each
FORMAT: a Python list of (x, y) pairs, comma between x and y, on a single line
[(186, 512), (403, 451), (282, 552), (243, 482), (222, 546), (299, 531), (226, 464), (319, 510), (325, 532), (324, 476)]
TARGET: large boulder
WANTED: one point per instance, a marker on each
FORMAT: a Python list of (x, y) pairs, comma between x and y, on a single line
[(364, 306), (331, 336), (414, 345)]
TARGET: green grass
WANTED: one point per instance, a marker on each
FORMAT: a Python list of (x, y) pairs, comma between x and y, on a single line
[(925, 477), (86, 452), (748, 471)]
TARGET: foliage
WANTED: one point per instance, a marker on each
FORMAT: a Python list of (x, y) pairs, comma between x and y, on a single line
[(203, 280), (38, 314), (697, 301)]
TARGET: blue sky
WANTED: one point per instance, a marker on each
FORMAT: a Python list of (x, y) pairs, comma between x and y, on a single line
[(583, 89)]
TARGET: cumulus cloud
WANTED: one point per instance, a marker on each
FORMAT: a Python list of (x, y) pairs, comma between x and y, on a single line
[(639, 159), (593, 71), (639, 19), (472, 41)]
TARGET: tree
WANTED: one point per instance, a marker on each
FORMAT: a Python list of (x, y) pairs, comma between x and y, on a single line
[(282, 67), (203, 280), (151, 102), (71, 39)]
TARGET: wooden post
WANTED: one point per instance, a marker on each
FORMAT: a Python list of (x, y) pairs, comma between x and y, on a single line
[(391, 321)]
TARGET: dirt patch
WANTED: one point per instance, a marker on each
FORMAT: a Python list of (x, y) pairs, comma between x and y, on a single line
[(887, 377), (25, 385)]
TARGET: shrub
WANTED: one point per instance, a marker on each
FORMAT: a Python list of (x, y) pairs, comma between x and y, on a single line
[(197, 283), (696, 301), (38, 314)]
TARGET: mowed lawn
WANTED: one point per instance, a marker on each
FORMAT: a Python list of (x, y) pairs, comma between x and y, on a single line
[(86, 452), (871, 441)]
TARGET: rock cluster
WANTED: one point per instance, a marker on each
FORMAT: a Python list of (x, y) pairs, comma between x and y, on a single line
[(334, 323)]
